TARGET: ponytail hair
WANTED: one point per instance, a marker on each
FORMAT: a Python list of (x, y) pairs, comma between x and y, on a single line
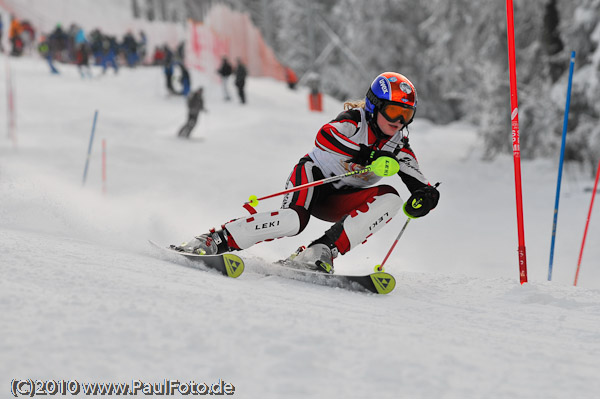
[(354, 104)]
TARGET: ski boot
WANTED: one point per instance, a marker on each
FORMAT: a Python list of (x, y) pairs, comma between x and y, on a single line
[(318, 257), (211, 243)]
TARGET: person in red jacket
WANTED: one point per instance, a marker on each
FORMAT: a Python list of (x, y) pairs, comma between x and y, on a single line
[(291, 78), (367, 132), (14, 35)]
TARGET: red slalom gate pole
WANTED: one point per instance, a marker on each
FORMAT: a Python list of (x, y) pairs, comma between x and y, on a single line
[(514, 117), (587, 224)]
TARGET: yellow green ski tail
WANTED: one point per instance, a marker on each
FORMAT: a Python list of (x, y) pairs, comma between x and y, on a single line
[(384, 283), (233, 265)]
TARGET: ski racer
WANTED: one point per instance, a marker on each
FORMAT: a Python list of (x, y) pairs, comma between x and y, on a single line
[(366, 132)]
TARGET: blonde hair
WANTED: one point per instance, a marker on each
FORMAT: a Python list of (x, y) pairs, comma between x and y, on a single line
[(354, 104)]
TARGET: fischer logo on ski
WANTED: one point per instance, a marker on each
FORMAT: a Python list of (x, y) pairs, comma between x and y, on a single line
[(233, 265)]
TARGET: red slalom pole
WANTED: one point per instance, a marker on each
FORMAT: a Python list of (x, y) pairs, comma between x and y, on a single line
[(379, 268), (514, 117), (587, 224)]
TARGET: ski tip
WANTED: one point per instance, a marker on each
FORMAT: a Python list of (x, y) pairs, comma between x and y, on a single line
[(384, 282)]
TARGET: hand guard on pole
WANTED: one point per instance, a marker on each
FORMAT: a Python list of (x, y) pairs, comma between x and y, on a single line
[(421, 202), (382, 163)]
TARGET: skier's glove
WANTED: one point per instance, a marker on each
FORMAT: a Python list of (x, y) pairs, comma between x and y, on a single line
[(421, 202), (383, 163), (366, 155)]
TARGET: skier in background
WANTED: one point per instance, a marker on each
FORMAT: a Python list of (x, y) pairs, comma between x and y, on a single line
[(373, 131), (195, 103), (47, 52)]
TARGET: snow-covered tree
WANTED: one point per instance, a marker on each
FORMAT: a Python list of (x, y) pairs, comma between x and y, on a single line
[(455, 52)]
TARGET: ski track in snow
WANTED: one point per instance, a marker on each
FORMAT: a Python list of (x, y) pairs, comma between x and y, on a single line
[(83, 296)]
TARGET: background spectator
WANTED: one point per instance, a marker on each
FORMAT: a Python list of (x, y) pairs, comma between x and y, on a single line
[(28, 36), (291, 78), (14, 35), (240, 79), (225, 71)]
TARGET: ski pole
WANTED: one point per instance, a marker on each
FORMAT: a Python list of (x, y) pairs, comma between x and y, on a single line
[(253, 200), (382, 166), (379, 268)]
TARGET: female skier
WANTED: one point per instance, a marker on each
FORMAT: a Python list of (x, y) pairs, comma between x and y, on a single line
[(365, 133)]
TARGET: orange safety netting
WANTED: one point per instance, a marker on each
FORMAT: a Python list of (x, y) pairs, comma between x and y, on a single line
[(230, 33)]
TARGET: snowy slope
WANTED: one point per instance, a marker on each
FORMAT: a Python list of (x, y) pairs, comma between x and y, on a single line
[(83, 296)]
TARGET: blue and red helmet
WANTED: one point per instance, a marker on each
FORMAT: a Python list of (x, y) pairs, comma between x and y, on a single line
[(394, 96)]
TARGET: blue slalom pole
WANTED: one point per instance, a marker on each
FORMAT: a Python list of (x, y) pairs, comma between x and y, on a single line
[(560, 164), (87, 161)]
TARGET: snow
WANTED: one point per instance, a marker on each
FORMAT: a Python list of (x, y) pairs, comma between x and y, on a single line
[(83, 296)]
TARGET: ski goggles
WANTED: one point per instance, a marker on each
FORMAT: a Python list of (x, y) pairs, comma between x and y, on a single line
[(395, 112), (391, 110)]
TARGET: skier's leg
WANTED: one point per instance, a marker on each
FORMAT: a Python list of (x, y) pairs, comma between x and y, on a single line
[(244, 232), (359, 215), (191, 123), (226, 95), (373, 208), (288, 221), (183, 131)]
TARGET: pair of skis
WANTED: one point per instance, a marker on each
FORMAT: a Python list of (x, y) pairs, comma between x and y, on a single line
[(378, 282), (232, 265)]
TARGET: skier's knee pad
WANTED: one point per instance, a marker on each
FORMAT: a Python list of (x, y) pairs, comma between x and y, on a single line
[(264, 226), (365, 221)]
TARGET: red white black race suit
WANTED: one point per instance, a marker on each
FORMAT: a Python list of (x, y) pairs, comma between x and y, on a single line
[(355, 204)]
